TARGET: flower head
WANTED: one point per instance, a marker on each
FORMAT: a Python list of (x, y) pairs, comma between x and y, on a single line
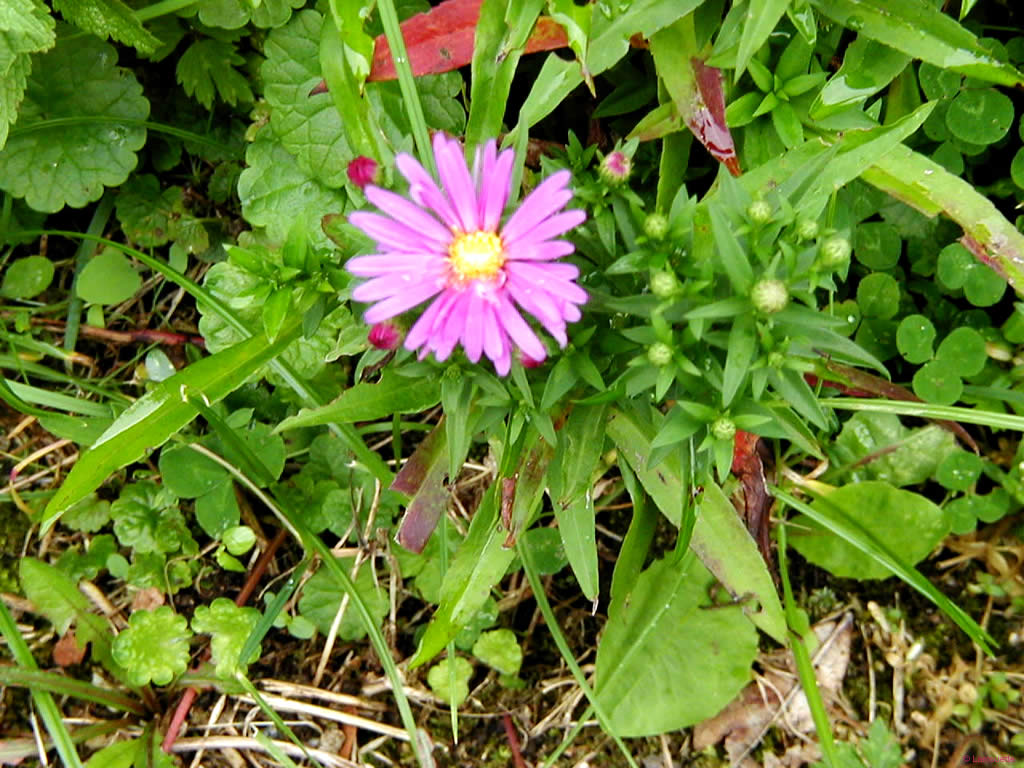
[(385, 336), (447, 245), (362, 171), (615, 168)]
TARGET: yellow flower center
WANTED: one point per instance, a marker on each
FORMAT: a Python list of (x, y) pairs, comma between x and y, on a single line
[(476, 256)]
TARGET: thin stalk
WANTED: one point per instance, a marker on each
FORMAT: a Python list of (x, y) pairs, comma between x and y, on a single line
[(271, 713), (799, 631), (406, 82), (170, 130), (85, 251), (563, 647), (442, 532), (927, 411), (48, 710), (34, 679)]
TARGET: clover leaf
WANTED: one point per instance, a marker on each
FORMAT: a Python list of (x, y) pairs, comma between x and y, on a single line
[(56, 157), (154, 647), (230, 626)]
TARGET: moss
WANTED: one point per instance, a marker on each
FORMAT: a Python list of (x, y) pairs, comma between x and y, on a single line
[(13, 527)]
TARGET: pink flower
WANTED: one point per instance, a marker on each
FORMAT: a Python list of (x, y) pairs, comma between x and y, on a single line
[(448, 246), (615, 168), (362, 171), (385, 336)]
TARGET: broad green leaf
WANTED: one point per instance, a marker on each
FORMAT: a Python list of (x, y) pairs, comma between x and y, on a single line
[(576, 526), (575, 19), (162, 412), (422, 477), (937, 383), (499, 650), (108, 19), (964, 351), (731, 253), (188, 473), (876, 446), (234, 14), (230, 625), (909, 524), (207, 68), (959, 470), (980, 115), (439, 678), (719, 538), (662, 643), (26, 27), (52, 593), (107, 278), (761, 18), (878, 295), (274, 190), (154, 646), (366, 402), (123, 754), (739, 355), (27, 277), (60, 153), (345, 53), (919, 29), (877, 245), (915, 338), (321, 599)]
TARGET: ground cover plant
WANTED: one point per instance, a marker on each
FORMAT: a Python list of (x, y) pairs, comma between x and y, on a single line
[(633, 382)]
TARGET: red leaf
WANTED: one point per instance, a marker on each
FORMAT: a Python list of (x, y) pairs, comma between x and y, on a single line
[(422, 477), (441, 40), (707, 119)]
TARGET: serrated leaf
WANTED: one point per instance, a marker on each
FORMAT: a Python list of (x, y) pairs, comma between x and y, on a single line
[(230, 626), (235, 14), (147, 214), (26, 27), (56, 164), (499, 650), (321, 598), (274, 191), (154, 646), (52, 593), (108, 19), (660, 645), (366, 402), (207, 67)]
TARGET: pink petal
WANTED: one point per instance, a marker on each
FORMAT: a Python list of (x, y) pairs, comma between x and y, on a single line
[(494, 189), (548, 198), (423, 189), (546, 251), (387, 285), (496, 345), (390, 233), (547, 229), (402, 210), (473, 331), (398, 304), (451, 167), (423, 327), (552, 278), (385, 263), (518, 330)]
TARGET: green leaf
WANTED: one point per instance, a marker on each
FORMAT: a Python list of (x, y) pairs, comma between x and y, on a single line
[(439, 678), (27, 277), (734, 259), (148, 519), (937, 383), (123, 754), (980, 115), (234, 14), (275, 311), (108, 19), (108, 278), (963, 351), (89, 515), (207, 68), (149, 216), (740, 353), (915, 337), (660, 643), (239, 539), (959, 470), (919, 29), (321, 599), (877, 245), (546, 550), (61, 153), (878, 295), (217, 510), (908, 523), (868, 67), (162, 412), (52, 593), (188, 473), (499, 650), (230, 626), (154, 646), (719, 538), (366, 402), (876, 446), (26, 27), (761, 18)]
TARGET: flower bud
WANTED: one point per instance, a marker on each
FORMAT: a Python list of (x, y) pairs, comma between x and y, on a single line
[(385, 335), (834, 252), (776, 359), (362, 171), (615, 168), (760, 212), (769, 296), (659, 353), (663, 284), (723, 428), (529, 362), (656, 226), (807, 229)]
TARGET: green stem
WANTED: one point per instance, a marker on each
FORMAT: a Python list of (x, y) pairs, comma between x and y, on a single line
[(163, 8), (410, 96), (86, 249), (65, 122)]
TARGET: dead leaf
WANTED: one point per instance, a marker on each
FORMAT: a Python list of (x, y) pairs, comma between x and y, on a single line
[(67, 652), (147, 599)]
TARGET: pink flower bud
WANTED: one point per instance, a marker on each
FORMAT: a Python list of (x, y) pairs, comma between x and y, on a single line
[(529, 362), (615, 168), (385, 336), (362, 171)]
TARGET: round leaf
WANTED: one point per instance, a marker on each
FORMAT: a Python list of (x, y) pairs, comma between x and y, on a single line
[(108, 278), (936, 383), (908, 524), (955, 262), (877, 245), (27, 277), (980, 115), (914, 338), (959, 471), (499, 650), (69, 164), (440, 681), (154, 646), (984, 286), (878, 295), (239, 540), (963, 351), (938, 83), (1017, 168)]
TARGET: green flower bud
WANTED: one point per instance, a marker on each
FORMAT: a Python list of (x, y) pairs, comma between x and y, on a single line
[(723, 428), (760, 212), (656, 226), (806, 229), (834, 252), (663, 284), (659, 353), (776, 359), (615, 168), (769, 296)]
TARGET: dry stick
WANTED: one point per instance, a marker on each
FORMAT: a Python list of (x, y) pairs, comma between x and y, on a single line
[(145, 335), (189, 696)]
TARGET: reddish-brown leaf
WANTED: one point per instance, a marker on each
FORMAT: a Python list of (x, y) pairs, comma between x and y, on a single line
[(707, 119), (422, 477), (441, 40), (67, 652)]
